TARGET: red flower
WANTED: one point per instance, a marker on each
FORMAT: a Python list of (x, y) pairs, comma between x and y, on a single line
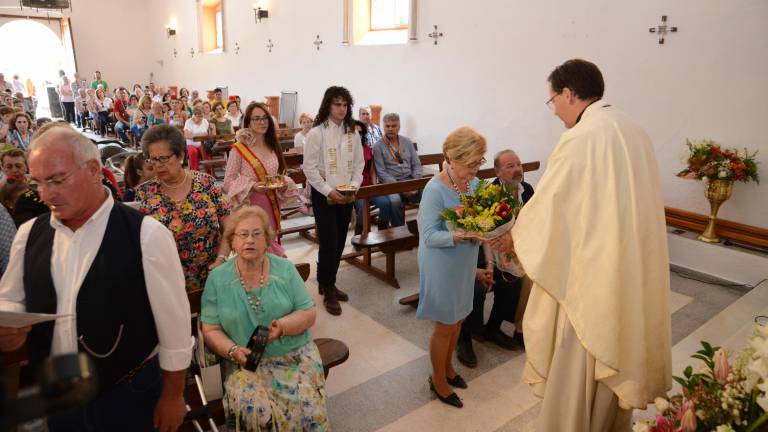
[(459, 210)]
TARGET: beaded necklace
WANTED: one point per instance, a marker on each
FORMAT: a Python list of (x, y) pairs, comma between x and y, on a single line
[(253, 300), (453, 183)]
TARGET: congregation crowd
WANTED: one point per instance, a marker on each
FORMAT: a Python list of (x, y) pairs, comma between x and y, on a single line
[(64, 233)]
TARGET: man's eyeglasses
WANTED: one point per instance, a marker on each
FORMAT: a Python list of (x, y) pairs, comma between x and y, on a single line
[(245, 234), (477, 164), (52, 183), (263, 119), (550, 102), (159, 159)]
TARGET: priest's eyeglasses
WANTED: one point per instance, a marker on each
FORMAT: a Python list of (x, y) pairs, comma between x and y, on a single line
[(551, 102), (246, 234)]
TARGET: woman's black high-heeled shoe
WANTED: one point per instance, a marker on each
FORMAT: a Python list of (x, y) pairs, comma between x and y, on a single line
[(457, 382), (452, 399)]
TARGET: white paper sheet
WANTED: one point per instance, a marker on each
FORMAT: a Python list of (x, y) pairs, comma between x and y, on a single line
[(22, 319)]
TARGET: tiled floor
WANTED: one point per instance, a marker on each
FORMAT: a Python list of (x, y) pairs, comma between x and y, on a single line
[(383, 384)]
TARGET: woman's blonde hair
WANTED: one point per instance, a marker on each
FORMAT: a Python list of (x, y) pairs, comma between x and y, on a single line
[(144, 99), (305, 116), (464, 145), (248, 212)]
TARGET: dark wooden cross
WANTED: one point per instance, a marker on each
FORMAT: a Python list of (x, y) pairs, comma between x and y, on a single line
[(662, 29)]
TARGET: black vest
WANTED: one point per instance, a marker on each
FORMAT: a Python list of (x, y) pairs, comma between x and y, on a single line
[(113, 295)]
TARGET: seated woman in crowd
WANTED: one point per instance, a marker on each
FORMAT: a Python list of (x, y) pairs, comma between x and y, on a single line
[(186, 105), (102, 105), (183, 93), (133, 105), (286, 392), (195, 126), (187, 202), (137, 171), (19, 133), (305, 121), (139, 127), (177, 116), (255, 156), (155, 117), (234, 114), (220, 124), (144, 108), (207, 112), (383, 202), (137, 90)]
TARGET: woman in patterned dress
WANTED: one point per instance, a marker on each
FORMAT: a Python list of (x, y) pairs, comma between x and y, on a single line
[(188, 202), (256, 155), (286, 392)]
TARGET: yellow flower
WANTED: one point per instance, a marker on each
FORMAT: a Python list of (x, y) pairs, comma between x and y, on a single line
[(186, 208)]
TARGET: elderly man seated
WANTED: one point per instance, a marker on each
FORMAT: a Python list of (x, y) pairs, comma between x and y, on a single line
[(396, 159)]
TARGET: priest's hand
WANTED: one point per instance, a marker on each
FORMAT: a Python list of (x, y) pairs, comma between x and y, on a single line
[(169, 413), (485, 279), (503, 243), (12, 338)]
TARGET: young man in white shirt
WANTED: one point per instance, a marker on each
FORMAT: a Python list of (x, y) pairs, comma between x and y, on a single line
[(333, 160)]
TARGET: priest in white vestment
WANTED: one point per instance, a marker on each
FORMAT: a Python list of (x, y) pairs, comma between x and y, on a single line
[(593, 241)]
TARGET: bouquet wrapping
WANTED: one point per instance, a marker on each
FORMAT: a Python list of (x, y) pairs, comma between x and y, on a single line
[(488, 212)]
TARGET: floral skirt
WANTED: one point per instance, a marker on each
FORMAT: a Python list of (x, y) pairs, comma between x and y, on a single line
[(286, 393)]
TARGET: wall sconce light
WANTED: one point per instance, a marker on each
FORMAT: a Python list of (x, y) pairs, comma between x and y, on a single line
[(170, 32), (260, 13)]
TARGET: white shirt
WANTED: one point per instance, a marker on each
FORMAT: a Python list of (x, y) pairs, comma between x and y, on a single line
[(319, 139), (235, 119), (71, 259), (299, 140), (196, 129)]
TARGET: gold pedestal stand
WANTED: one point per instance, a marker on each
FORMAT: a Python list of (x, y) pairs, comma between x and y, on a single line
[(717, 192)]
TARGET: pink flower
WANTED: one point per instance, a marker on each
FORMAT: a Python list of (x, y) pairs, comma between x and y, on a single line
[(722, 369), (663, 424), (687, 417), (459, 210)]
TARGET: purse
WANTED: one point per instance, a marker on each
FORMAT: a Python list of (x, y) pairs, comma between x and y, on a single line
[(257, 343)]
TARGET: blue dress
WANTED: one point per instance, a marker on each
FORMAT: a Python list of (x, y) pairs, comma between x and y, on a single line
[(446, 270)]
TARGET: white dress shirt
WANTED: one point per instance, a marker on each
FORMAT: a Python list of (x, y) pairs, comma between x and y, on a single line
[(71, 258), (350, 164)]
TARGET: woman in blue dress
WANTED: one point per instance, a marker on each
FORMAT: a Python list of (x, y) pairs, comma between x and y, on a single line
[(447, 260)]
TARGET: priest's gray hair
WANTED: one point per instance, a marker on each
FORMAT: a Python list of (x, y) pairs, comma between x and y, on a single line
[(391, 117), (83, 149)]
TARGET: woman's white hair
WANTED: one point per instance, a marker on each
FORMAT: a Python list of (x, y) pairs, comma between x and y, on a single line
[(82, 148)]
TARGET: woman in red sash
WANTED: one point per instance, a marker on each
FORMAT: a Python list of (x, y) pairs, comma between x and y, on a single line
[(255, 156)]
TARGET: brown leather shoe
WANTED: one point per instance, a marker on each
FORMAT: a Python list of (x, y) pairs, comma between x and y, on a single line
[(331, 302), (341, 295)]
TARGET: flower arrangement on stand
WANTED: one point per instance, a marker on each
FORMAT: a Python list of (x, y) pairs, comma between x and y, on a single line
[(488, 212), (725, 395), (707, 160)]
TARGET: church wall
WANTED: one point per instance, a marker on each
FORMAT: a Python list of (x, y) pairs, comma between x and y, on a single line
[(489, 70)]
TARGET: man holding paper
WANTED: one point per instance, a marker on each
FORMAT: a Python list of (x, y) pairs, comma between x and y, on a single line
[(593, 241), (116, 276)]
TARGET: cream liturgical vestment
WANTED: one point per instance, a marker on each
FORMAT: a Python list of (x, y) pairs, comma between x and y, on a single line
[(593, 240)]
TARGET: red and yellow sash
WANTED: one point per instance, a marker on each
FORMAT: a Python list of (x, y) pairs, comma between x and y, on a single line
[(261, 175)]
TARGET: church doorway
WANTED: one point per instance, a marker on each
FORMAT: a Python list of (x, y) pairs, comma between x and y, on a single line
[(35, 49)]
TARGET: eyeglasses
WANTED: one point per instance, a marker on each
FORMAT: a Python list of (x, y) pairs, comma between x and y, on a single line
[(262, 119), (159, 159), (244, 235), (477, 164), (53, 183), (550, 102)]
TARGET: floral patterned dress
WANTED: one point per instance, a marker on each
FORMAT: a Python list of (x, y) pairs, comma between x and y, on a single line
[(195, 222)]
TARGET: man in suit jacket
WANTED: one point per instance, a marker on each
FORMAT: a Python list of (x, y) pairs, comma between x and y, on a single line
[(506, 287)]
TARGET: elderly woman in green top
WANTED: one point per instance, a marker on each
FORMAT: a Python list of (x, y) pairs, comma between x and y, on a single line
[(287, 390)]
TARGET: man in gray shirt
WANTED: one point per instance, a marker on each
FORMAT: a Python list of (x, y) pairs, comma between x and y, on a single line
[(396, 159)]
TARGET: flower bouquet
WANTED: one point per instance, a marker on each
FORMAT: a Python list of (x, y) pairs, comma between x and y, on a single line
[(708, 161), (720, 397), (488, 212)]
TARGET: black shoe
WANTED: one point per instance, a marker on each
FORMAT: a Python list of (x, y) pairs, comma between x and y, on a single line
[(518, 337), (466, 354), (341, 295), (499, 338), (457, 382), (331, 302), (452, 399)]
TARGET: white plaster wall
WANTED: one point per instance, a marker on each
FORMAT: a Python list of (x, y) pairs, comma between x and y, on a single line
[(489, 71)]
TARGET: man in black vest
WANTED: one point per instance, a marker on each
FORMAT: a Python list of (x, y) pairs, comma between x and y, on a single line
[(117, 276), (506, 287)]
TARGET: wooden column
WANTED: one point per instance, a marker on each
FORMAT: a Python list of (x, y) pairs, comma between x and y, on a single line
[(376, 115), (273, 102)]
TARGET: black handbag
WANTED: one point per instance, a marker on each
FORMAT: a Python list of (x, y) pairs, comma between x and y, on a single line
[(257, 344)]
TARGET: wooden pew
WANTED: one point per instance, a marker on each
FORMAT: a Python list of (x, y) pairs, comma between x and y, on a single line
[(208, 162)]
